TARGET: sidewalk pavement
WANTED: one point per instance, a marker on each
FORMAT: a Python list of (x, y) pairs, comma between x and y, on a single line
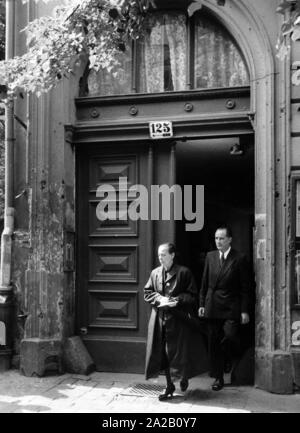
[(130, 393)]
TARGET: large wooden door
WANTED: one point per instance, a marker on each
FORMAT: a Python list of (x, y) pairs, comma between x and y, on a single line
[(113, 261)]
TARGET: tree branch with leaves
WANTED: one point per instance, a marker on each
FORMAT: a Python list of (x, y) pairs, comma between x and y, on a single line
[(98, 29), (290, 28)]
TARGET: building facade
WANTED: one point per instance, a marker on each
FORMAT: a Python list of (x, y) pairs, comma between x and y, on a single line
[(213, 78)]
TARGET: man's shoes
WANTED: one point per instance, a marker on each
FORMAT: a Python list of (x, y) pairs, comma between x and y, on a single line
[(217, 385), (184, 383), (227, 367)]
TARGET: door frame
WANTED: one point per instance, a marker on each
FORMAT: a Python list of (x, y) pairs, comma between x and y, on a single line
[(244, 23), (196, 124)]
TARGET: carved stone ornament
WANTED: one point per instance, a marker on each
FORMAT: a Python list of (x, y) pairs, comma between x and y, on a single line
[(69, 133), (133, 111), (188, 107), (95, 113), (230, 104)]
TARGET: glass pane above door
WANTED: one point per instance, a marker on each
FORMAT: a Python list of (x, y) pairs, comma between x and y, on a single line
[(218, 60), (175, 53), (162, 54)]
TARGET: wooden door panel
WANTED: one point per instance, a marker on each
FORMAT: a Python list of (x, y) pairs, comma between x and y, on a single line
[(112, 265), (110, 227), (109, 169), (113, 309)]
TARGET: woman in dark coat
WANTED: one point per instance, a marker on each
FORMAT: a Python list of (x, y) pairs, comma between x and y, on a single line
[(173, 345)]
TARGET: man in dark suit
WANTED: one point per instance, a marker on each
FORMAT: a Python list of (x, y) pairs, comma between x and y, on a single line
[(224, 301)]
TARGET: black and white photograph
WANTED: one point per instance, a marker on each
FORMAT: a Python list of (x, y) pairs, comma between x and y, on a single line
[(149, 209)]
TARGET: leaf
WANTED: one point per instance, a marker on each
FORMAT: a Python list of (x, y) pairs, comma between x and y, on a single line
[(287, 28), (285, 5), (92, 59), (282, 50), (194, 7), (296, 33)]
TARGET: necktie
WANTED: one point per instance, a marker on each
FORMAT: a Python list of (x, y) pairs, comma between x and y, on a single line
[(222, 259)]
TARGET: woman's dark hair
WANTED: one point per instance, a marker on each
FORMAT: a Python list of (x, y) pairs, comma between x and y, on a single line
[(171, 247)]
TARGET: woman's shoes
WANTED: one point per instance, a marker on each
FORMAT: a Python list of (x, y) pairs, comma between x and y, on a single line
[(168, 394), (184, 383), (218, 384)]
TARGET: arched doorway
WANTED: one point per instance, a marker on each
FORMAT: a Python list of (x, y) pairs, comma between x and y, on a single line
[(112, 122)]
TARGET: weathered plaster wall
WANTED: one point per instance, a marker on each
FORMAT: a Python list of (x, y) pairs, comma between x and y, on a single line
[(44, 201), (295, 164), (276, 368), (256, 25)]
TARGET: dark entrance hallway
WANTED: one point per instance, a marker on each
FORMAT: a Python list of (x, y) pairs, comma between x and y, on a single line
[(225, 166)]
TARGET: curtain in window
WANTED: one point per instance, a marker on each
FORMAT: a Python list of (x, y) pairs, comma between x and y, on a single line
[(176, 30), (218, 62), (163, 54), (152, 56)]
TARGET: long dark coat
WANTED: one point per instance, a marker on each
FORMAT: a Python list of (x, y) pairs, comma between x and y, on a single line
[(185, 346), (225, 291)]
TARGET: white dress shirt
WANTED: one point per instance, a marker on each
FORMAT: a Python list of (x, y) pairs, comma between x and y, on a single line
[(224, 254)]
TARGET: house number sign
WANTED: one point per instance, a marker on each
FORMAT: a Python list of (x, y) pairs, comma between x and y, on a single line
[(161, 129)]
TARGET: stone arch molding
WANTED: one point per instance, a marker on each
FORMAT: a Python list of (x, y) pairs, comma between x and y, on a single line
[(246, 26)]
